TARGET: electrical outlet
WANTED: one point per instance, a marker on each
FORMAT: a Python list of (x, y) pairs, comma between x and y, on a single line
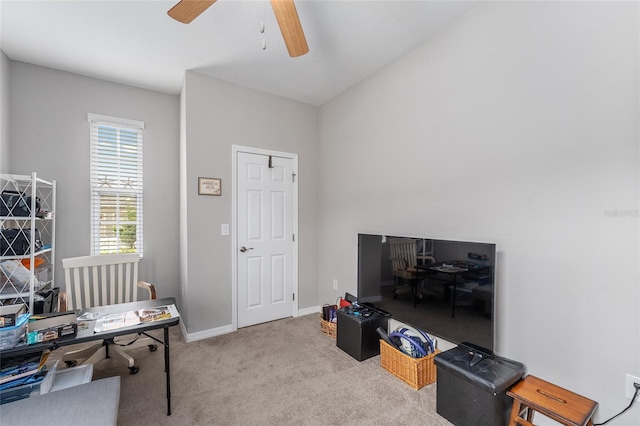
[(629, 389), (335, 284)]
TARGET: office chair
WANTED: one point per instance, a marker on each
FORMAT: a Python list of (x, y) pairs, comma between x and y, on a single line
[(103, 280)]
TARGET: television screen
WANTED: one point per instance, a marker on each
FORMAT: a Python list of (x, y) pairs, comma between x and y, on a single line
[(443, 287)]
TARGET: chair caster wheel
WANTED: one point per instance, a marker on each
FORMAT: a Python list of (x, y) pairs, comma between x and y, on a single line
[(71, 363), (133, 370), (153, 348)]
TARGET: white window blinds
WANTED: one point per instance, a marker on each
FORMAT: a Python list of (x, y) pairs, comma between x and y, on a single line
[(116, 185)]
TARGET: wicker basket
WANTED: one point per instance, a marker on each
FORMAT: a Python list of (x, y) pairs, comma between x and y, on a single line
[(329, 328), (416, 372)]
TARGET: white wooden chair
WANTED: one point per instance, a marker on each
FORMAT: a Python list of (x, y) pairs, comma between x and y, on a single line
[(404, 259), (103, 280)]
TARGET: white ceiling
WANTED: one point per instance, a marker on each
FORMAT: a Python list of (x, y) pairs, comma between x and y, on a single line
[(137, 43)]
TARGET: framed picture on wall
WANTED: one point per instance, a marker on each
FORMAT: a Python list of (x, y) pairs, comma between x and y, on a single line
[(209, 186)]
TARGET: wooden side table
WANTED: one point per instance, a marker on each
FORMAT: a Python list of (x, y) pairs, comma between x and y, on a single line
[(532, 394)]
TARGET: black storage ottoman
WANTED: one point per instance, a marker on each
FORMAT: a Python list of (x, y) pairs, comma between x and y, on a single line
[(472, 386), (357, 335)]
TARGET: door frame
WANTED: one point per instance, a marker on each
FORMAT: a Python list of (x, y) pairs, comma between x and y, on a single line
[(235, 150)]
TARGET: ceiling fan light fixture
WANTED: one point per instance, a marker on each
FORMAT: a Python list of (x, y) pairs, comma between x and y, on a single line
[(186, 11)]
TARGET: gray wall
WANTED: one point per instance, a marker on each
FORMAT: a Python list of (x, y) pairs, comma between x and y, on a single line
[(219, 115), (49, 134), (4, 113), (518, 126)]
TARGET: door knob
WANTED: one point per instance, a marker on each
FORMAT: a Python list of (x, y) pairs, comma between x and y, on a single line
[(243, 249)]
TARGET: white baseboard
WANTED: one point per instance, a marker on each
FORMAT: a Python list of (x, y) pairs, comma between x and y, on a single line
[(309, 311), (226, 329), (205, 334)]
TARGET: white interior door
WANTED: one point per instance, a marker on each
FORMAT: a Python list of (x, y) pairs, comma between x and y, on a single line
[(265, 238)]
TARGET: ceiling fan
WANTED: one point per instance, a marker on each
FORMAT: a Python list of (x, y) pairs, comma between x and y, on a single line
[(186, 11)]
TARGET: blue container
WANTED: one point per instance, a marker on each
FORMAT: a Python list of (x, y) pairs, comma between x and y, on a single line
[(11, 336)]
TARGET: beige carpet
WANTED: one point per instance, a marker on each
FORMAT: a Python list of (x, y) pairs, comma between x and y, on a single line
[(284, 372)]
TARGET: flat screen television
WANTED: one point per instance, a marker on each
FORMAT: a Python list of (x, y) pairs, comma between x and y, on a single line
[(452, 298)]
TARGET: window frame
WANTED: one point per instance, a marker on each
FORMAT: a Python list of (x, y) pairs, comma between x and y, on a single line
[(122, 141)]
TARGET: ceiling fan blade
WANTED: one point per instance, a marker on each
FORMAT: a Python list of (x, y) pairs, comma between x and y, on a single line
[(290, 27), (186, 11)]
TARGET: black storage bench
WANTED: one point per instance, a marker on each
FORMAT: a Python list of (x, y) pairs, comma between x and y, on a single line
[(472, 386)]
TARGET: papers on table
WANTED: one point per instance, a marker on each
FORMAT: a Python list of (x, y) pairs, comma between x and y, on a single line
[(90, 316), (448, 269), (131, 318)]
